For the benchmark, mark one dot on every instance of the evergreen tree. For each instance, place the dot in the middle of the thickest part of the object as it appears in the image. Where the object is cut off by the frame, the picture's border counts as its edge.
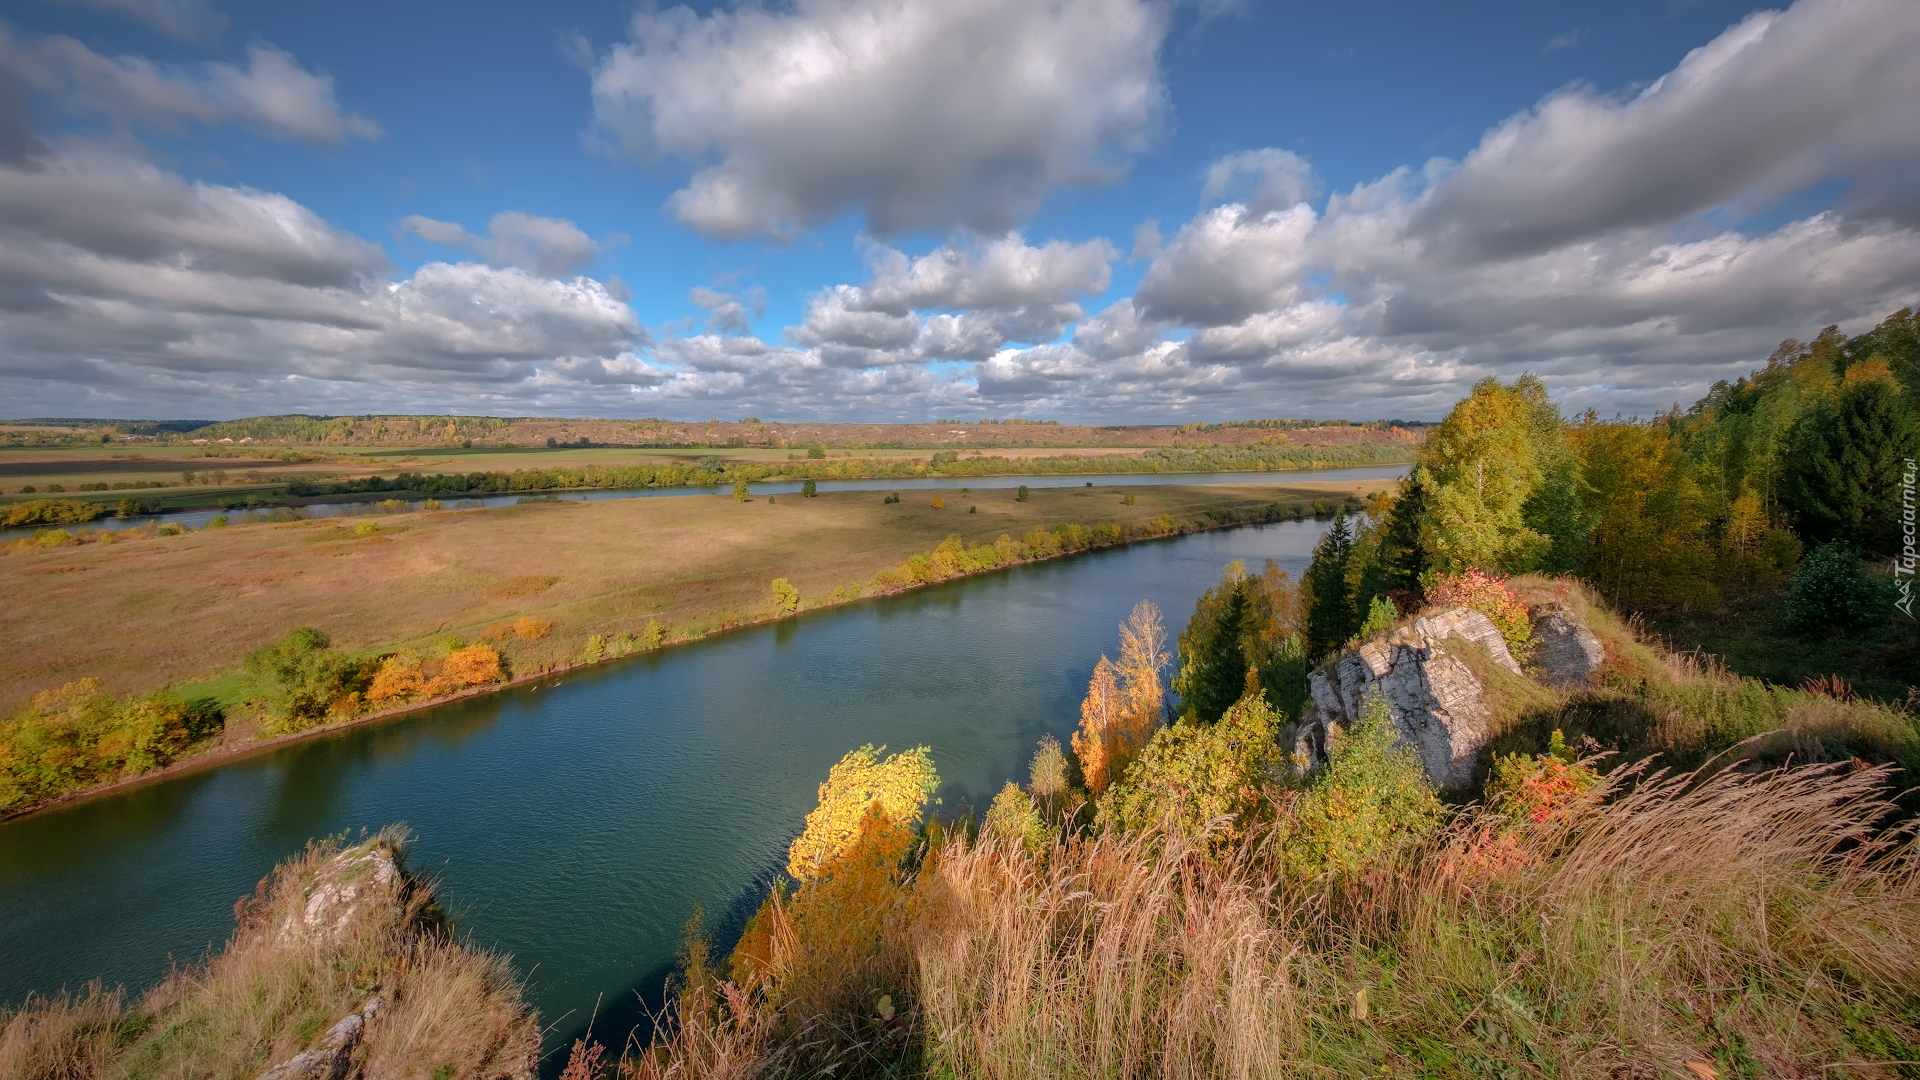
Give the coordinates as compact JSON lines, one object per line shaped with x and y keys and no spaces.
{"x":1332,"y":617}
{"x":1399,"y":561}
{"x":1213,"y":658}
{"x":1843,"y":463}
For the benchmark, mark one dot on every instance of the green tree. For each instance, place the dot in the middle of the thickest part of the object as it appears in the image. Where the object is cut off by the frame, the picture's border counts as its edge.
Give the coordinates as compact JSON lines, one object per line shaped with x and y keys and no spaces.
{"x":1332,"y":615}
{"x":740,"y":491}
{"x":1213,"y":655}
{"x":1478,"y":467}
{"x":1399,"y":562}
{"x":1843,"y":464}
{"x":808,"y":490}
{"x":1022,"y":495}
{"x":1192,"y":775}
{"x":1831,"y":591}
{"x":307,"y":678}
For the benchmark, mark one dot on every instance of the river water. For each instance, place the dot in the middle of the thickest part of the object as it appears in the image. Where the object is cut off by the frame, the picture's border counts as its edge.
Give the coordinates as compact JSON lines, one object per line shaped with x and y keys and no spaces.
{"x":576,"y":823}
{"x":194,"y":519}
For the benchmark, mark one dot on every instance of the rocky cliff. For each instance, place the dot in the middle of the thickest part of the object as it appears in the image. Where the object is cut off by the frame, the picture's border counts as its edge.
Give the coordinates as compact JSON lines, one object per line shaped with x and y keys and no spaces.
{"x":1431,"y":693}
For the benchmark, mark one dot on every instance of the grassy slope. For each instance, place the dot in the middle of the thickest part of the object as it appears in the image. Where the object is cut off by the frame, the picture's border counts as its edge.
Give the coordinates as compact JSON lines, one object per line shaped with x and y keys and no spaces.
{"x":144,"y":614}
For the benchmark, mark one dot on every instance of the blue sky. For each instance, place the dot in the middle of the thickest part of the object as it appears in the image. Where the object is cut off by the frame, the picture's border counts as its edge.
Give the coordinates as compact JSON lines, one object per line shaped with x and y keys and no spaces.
{"x":1111,"y":210}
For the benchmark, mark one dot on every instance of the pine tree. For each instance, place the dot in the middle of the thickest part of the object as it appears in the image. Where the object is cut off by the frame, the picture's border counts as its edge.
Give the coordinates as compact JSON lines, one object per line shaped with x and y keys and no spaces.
{"x":1843,"y":464}
{"x":1332,"y":617}
{"x":1213,"y":658}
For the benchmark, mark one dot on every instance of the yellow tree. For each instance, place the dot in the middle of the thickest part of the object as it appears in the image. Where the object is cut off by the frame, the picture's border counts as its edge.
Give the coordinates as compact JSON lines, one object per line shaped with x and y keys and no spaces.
{"x":1143,"y":657}
{"x":862,"y":783}
{"x":1100,"y":717}
{"x":1477,"y":469}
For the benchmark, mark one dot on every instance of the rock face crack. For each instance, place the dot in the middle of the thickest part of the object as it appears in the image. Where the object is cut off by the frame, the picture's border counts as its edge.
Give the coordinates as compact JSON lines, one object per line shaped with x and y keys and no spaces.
{"x":1432,"y":696}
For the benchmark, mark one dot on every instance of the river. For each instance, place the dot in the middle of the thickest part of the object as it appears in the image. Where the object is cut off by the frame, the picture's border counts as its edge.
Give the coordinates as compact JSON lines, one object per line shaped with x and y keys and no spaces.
{"x":194,"y":519}
{"x":576,"y":823}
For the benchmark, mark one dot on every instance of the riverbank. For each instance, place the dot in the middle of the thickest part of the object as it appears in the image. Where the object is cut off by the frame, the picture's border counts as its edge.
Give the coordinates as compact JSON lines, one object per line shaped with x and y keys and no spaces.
{"x":552,"y":586}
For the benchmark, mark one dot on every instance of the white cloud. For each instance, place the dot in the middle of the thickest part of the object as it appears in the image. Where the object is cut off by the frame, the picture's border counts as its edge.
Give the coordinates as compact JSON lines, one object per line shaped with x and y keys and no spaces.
{"x":127,"y":288}
{"x":986,"y":295}
{"x":919,"y":114}
{"x":1777,"y":102}
{"x":549,"y":246}
{"x":271,"y":92}
{"x":1261,"y":180}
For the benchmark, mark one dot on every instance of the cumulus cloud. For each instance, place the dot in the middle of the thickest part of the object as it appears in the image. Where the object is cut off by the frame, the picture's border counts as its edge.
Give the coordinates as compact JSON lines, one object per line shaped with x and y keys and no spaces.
{"x":188,"y":20}
{"x":122,"y":284}
{"x":549,"y":246}
{"x":918,"y":114}
{"x":985,"y":295}
{"x":1776,"y":103}
{"x":1260,"y":180}
{"x":271,"y":92}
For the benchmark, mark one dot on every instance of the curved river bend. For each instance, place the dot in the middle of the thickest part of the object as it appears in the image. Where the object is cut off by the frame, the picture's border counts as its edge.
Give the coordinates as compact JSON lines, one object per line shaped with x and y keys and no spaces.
{"x":576,"y":824}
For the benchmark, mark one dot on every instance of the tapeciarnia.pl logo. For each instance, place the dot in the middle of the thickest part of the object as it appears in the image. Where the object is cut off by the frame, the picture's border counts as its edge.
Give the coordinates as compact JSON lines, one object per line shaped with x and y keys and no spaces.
{"x":1903,"y":563}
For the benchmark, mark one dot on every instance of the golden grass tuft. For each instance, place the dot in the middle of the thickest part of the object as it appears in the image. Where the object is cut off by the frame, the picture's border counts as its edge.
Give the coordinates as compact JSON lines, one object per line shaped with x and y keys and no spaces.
{"x":449,"y":1010}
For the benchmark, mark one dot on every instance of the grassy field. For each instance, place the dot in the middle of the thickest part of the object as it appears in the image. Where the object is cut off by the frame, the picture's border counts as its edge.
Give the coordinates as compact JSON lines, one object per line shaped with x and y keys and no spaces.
{"x":179,"y":610}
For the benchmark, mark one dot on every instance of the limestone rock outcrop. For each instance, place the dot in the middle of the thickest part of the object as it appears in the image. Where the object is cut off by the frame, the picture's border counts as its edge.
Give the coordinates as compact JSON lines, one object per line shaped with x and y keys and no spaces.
{"x":1565,"y":652}
{"x":1431,"y":694}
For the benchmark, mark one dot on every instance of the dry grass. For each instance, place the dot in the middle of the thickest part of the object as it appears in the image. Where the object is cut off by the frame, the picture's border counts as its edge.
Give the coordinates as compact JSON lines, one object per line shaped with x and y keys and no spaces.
{"x":140,"y":615}
{"x":1760,"y":925}
{"x":449,"y":1010}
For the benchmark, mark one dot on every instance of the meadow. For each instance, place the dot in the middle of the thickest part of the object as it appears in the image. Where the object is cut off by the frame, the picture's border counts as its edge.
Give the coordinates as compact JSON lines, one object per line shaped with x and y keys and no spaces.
{"x":144,"y":612}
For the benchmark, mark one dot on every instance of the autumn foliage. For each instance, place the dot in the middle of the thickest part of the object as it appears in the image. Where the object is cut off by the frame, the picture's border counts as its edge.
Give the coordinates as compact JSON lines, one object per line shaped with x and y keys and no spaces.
{"x":1124,"y":701}
{"x":1489,"y":595}
{"x":404,"y":676}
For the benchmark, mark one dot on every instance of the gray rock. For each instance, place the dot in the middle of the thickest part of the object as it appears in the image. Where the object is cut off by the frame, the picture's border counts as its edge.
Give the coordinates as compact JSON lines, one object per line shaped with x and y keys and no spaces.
{"x":1565,"y":653}
{"x":1434,"y":699}
{"x":332,"y":1058}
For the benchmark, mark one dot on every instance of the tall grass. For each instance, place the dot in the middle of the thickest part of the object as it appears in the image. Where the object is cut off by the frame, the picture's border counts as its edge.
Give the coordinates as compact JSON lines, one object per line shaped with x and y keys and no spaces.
{"x":1764,"y":925}
{"x":449,"y":1010}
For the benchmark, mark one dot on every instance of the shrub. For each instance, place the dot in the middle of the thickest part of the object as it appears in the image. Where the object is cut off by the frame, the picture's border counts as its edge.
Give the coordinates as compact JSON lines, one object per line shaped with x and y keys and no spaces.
{"x":1381,"y":615}
{"x":653,"y":637}
{"x":1127,"y":499}
{"x":897,"y":787}
{"x":1542,"y":788}
{"x":1489,"y":595}
{"x":892,"y":498}
{"x":78,"y":736}
{"x":309,"y":681}
{"x":1831,"y":590}
{"x":740,"y":491}
{"x":530,"y":628}
{"x":1022,"y":495}
{"x":48,"y":512}
{"x":1191,"y":774}
{"x":472,"y":665}
{"x":809,"y":489}
{"x":1371,"y":798}
{"x":1012,"y":819}
{"x":366,"y":528}
{"x":939,"y":502}
{"x":786,"y":597}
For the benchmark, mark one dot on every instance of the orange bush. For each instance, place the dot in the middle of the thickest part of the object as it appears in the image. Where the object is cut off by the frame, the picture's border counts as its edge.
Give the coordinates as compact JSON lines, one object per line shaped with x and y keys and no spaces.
{"x":399,"y":677}
{"x":475,"y":665}
{"x":531,"y":628}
